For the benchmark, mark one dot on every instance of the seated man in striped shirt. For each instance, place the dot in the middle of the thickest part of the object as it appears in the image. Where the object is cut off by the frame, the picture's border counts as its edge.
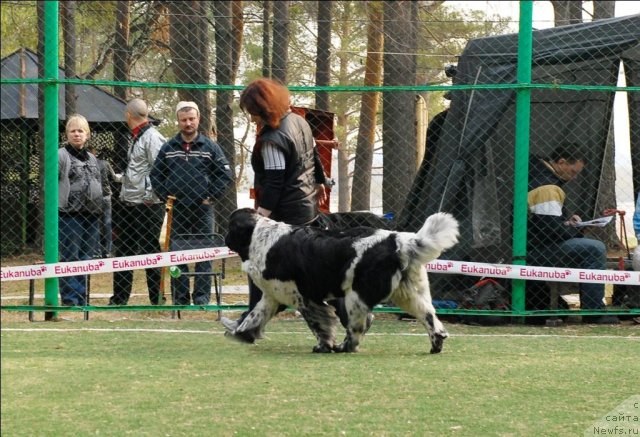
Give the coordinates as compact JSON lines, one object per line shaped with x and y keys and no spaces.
{"x":552,"y":237}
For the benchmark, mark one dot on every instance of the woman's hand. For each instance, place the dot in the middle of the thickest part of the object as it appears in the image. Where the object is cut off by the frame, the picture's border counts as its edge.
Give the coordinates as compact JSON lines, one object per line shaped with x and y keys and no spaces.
{"x":264,"y":212}
{"x":321,"y":193}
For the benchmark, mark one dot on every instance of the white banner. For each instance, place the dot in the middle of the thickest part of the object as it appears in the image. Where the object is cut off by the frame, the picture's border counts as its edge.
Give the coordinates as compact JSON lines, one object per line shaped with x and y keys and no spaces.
{"x":106,"y":265}
{"x":163,"y":259}
{"x":534,"y":273}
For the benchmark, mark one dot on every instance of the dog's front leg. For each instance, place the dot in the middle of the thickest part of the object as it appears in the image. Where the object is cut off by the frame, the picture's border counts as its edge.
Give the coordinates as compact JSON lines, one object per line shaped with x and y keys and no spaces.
{"x":254,"y":323}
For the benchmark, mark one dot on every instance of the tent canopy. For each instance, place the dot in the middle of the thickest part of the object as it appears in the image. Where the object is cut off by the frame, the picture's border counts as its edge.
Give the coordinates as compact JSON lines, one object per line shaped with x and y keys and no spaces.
{"x":20,"y":102}
{"x":470,"y":170}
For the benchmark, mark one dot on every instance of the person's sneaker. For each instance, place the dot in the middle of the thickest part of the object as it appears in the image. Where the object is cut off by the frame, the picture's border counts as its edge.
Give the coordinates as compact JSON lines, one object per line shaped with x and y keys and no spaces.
{"x":229,"y":325}
{"x":601,"y":320}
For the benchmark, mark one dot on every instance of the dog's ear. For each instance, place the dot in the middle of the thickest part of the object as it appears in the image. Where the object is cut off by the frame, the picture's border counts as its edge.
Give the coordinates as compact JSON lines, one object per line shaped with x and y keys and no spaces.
{"x":241,"y":225}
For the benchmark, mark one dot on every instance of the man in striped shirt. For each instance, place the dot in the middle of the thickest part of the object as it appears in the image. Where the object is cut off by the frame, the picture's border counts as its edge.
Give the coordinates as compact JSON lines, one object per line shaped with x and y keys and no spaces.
{"x":552,"y":236}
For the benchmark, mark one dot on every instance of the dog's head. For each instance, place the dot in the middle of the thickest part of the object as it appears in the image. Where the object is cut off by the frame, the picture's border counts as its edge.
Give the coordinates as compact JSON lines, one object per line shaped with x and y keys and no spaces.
{"x":241,"y":225}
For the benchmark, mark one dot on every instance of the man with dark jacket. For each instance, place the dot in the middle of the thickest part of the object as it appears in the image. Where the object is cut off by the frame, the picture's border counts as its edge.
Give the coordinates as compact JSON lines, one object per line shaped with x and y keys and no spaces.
{"x":138,"y":214}
{"x":194,"y":169}
{"x":553,"y":238}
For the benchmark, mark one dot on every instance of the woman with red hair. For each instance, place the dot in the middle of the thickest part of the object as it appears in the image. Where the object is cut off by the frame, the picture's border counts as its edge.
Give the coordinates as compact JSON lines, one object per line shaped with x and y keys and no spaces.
{"x":289,"y":177}
{"x":288,"y":173}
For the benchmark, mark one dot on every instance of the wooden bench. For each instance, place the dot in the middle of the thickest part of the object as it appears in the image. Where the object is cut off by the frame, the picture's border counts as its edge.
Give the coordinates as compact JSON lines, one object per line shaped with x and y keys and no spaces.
{"x":557,"y":289}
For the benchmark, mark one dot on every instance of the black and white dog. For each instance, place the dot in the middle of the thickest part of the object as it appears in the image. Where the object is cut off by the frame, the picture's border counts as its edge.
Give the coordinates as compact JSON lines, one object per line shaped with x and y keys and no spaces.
{"x":303,"y":267}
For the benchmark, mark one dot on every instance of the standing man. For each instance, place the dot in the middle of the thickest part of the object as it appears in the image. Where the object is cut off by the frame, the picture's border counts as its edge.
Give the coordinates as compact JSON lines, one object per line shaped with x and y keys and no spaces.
{"x":139,"y":212}
{"x":194,"y":169}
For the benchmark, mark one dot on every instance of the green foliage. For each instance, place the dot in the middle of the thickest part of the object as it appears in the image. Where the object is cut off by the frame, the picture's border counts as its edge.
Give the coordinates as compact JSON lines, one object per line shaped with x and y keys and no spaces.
{"x":19,"y":27}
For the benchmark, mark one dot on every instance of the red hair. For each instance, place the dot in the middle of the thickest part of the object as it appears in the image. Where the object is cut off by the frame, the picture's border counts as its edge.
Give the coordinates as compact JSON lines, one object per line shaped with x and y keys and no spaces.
{"x":267,"y":99}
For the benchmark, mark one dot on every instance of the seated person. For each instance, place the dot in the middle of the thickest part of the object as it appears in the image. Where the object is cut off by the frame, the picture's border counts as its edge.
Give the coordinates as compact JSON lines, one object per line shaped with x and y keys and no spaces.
{"x":553,"y":239}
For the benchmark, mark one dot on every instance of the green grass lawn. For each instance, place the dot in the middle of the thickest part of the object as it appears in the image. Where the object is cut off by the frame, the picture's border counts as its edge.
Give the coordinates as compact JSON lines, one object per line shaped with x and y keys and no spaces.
{"x":183,"y":378}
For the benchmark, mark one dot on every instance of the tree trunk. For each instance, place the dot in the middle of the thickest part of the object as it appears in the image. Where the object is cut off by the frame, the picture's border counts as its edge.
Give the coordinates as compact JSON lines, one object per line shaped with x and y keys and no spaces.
{"x":266,"y":38}
{"x":566,"y":12}
{"x":121,"y":73}
{"x":398,"y":127}
{"x":122,"y":51}
{"x":67,"y":12}
{"x":603,"y":9}
{"x":361,"y":186}
{"x":341,"y":107}
{"x":189,"y":45}
{"x":323,"y":58}
{"x":280,"y":57}
{"x":224,"y":37}
{"x":237,"y":27}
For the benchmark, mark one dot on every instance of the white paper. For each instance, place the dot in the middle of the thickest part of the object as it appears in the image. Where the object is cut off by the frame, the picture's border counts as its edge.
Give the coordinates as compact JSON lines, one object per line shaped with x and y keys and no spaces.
{"x":599,"y":222}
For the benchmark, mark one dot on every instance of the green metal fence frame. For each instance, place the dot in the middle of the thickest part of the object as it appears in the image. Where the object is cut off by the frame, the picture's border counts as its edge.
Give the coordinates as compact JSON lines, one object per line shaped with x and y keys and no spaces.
{"x":523,"y":88}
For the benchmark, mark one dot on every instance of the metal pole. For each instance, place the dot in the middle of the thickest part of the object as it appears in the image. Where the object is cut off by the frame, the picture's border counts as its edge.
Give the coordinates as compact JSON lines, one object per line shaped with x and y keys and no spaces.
{"x":50,"y":150}
{"x":521,"y":165}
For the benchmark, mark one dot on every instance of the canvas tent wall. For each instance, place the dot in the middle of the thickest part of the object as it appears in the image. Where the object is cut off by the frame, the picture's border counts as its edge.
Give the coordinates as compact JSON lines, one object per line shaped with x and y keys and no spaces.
{"x":471,"y":171}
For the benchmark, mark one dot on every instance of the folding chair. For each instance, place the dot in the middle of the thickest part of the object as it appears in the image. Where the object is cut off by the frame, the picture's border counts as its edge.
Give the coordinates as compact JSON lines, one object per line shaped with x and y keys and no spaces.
{"x":200,"y":241}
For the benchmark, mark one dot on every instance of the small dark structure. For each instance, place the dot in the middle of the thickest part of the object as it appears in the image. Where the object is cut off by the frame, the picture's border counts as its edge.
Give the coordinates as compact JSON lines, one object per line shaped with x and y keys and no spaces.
{"x":471,"y":171}
{"x":20,"y":163}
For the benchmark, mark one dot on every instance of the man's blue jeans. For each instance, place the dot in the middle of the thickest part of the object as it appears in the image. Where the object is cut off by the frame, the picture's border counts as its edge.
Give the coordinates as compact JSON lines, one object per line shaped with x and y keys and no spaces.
{"x":79,"y":240}
{"x":581,"y":253}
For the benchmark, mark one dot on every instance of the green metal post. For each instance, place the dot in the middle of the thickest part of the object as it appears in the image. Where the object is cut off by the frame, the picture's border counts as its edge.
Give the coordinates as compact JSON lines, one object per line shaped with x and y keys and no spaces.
{"x":521,"y":165}
{"x":51,"y":150}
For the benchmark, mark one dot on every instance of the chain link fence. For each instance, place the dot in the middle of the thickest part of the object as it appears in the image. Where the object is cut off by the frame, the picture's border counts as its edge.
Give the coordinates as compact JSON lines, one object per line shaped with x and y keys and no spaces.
{"x":414,"y":106}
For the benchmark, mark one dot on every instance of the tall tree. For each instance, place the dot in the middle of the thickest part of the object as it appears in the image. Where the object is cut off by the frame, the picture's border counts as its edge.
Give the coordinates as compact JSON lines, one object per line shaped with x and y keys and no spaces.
{"x":224,"y":37}
{"x":189,"y":45}
{"x":323,"y":58}
{"x":398,"y":127}
{"x":237,"y":27}
{"x":68,"y":15}
{"x":345,"y":28}
{"x":121,"y":48}
{"x":603,"y":9}
{"x":567,"y":12}
{"x":361,"y":188}
{"x":266,"y":38}
{"x":281,"y":32}
{"x":121,"y":73}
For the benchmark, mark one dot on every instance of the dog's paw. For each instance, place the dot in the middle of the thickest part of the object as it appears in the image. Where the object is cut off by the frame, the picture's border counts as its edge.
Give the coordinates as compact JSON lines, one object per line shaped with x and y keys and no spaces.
{"x":241,"y":337}
{"x":345,"y":346}
{"x":437,"y":340}
{"x":322,"y":349}
{"x":229,"y":325}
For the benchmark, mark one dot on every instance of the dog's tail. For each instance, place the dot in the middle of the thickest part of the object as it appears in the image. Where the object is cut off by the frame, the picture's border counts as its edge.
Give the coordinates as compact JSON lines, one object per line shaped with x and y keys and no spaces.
{"x":439,"y":232}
